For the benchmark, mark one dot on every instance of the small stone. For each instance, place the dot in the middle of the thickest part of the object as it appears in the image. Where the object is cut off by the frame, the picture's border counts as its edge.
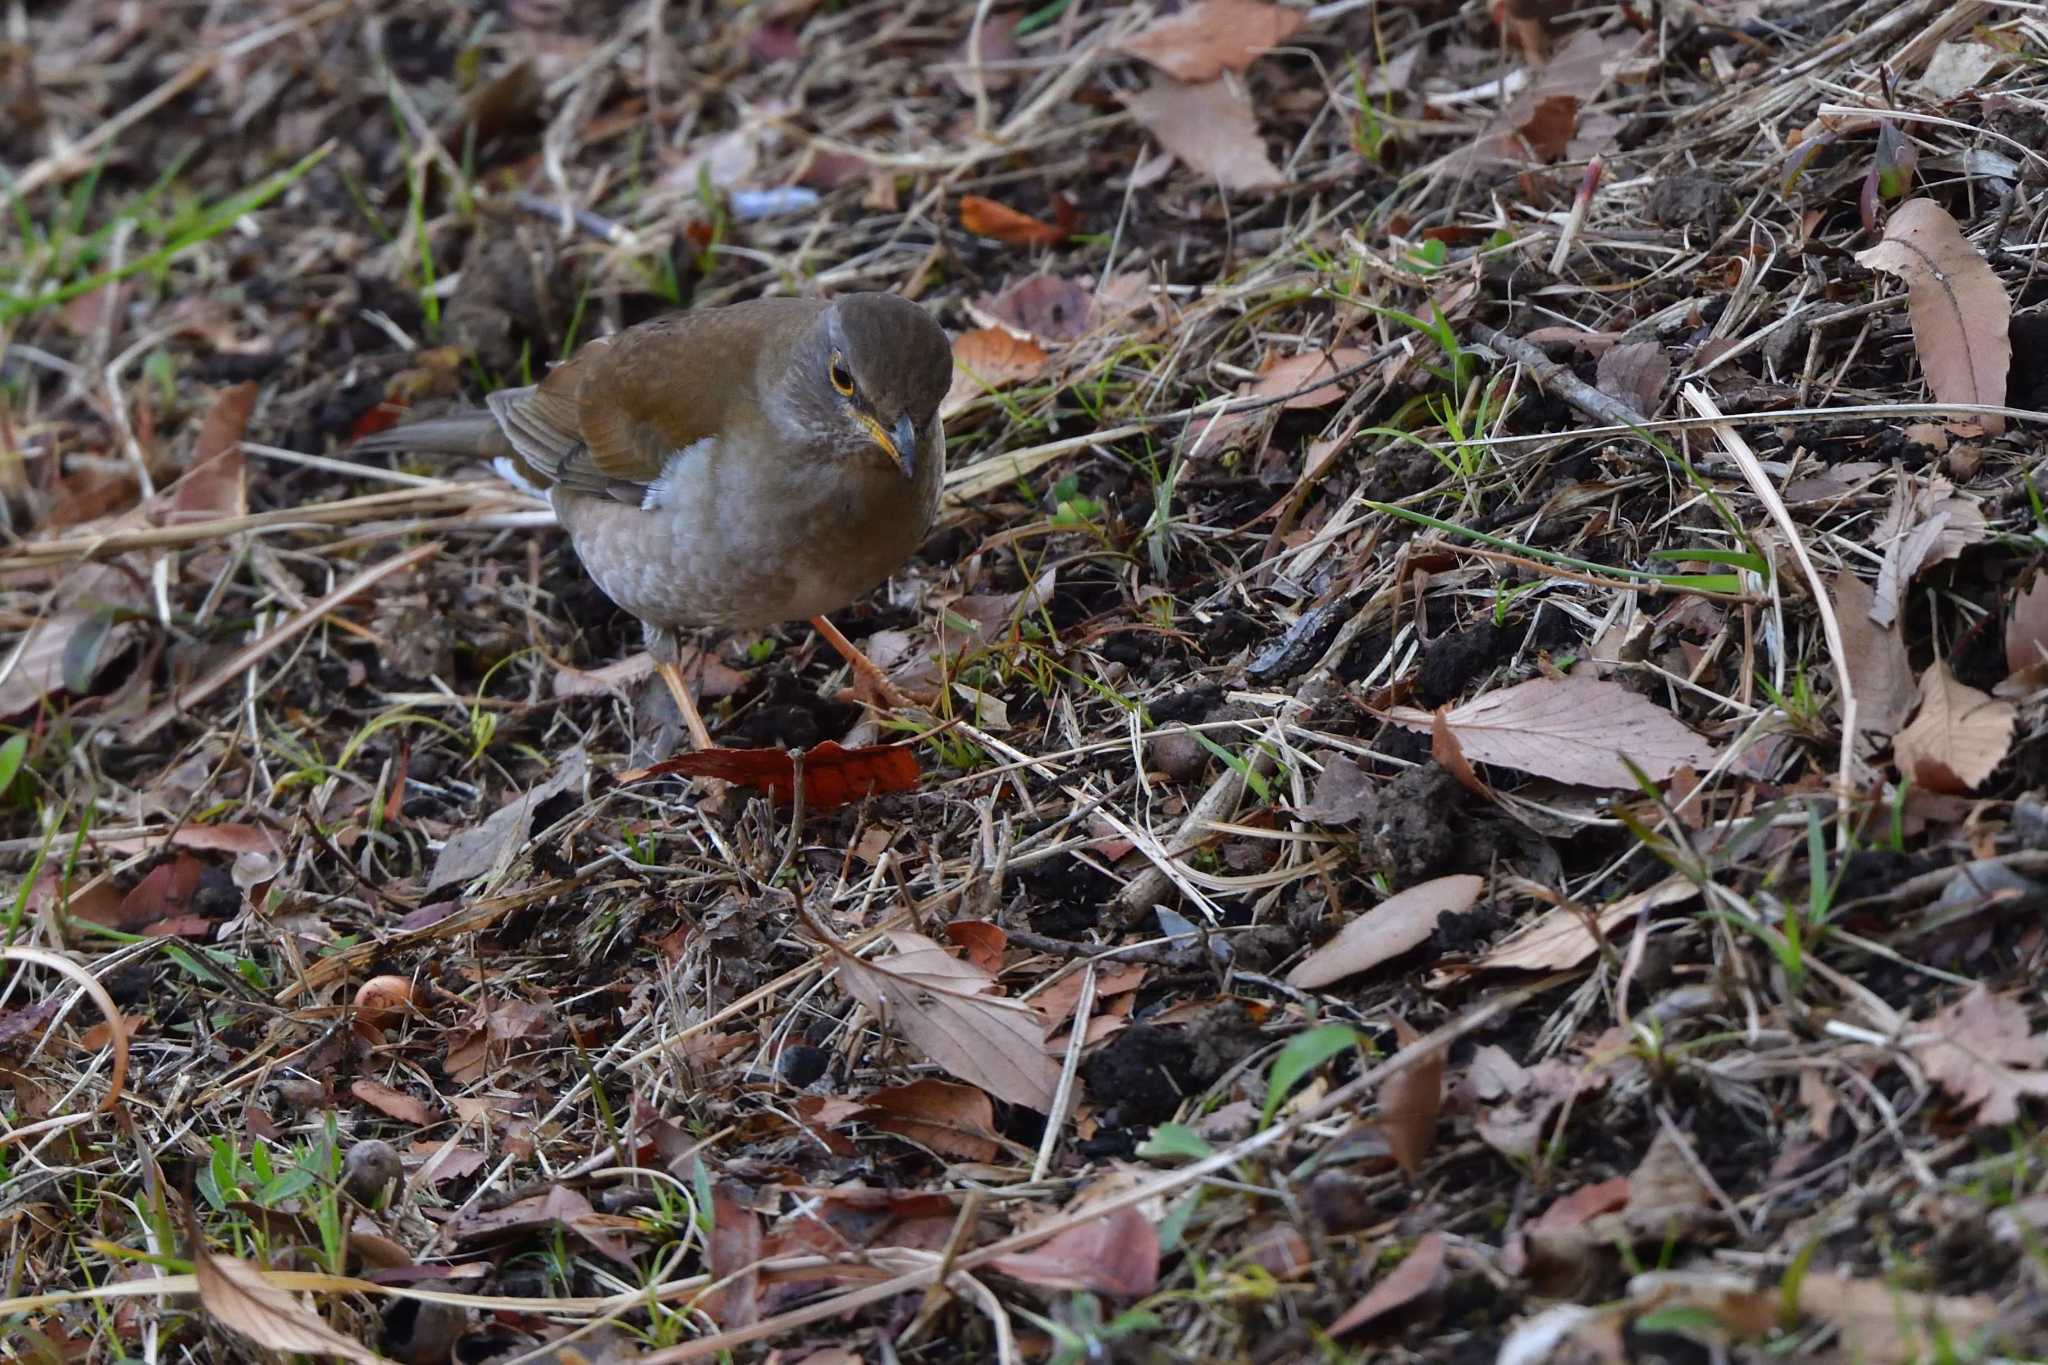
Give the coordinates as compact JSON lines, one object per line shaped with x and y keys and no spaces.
{"x":369,"y":1169}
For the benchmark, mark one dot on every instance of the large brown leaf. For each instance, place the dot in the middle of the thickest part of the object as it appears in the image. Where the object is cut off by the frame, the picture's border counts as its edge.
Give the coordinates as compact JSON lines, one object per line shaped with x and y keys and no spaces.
{"x":1574,"y":729}
{"x":1959,"y":309}
{"x":1210,"y":128}
{"x":932,"y":998}
{"x":1958,"y":736}
{"x":1400,"y":922}
{"x":1212,"y":36}
{"x":241,"y":1298}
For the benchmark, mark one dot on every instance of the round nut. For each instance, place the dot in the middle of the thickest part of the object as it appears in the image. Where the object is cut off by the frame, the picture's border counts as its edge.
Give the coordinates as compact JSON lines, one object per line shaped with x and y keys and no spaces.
{"x":368,"y":1170}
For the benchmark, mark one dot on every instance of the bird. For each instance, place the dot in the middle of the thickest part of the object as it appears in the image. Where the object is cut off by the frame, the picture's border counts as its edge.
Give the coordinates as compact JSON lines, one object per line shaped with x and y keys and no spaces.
{"x":733,"y":467}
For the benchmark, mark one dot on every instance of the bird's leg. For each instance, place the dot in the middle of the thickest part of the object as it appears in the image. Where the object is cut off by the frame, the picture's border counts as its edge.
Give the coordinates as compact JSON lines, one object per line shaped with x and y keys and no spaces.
{"x":868,"y":683}
{"x":667,"y":649}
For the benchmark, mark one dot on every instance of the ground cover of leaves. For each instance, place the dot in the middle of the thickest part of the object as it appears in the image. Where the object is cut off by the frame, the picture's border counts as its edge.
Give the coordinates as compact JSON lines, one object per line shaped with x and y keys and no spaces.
{"x":1479,"y":728}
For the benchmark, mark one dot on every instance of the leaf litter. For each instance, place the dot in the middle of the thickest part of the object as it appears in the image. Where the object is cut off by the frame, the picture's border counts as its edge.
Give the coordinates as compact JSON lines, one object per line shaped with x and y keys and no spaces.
{"x":1293,"y":573}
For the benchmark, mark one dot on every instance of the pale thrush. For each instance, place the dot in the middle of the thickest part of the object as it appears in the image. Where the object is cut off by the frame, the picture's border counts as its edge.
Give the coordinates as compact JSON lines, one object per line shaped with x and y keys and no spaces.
{"x":732,"y":467}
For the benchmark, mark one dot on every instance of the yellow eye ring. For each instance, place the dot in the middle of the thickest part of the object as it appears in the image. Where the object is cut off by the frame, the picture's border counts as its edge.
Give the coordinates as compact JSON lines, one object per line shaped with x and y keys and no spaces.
{"x":842,"y":378}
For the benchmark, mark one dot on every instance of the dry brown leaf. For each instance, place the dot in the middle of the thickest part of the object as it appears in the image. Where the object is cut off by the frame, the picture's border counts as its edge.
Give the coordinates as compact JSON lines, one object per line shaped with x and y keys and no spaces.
{"x":1876,"y":660}
{"x":1044,"y":308}
{"x":1212,"y":36}
{"x":1924,"y":526}
{"x":1410,"y":1101}
{"x":2026,"y":634}
{"x":1881,"y":1325}
{"x":1001,"y":223}
{"x":1401,"y":922}
{"x":489,"y":848}
{"x":1957,"y":737}
{"x":1421,"y":1272}
{"x":989,"y":358}
{"x":1959,"y":309}
{"x":998,"y":1045}
{"x":734,"y":1247}
{"x":1296,"y":371}
{"x":1559,"y":938}
{"x":1983,"y":1051}
{"x":1519,"y":1101}
{"x":1634,"y":373}
{"x":952,"y":1120}
{"x":1115,"y":1254}
{"x":241,"y":1298}
{"x":1210,"y":128}
{"x":1573,"y":729}
{"x":391,"y":1102}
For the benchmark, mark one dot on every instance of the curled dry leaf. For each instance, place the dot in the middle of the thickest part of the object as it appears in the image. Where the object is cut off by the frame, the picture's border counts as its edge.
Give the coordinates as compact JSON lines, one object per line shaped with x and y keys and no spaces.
{"x":1925,"y":525}
{"x":1210,"y":129}
{"x":1213,"y":36}
{"x":1635,"y":373}
{"x":1420,"y":1273}
{"x":1561,"y":938}
{"x":1983,"y":1051}
{"x":1114,"y":1254}
{"x":1573,"y":729}
{"x":241,"y":1297}
{"x":1959,"y":309}
{"x":1045,"y":308}
{"x":1410,"y":1101}
{"x":986,"y":359}
{"x":1518,"y":1102}
{"x":1403,"y":921}
{"x":1001,"y":223}
{"x":1957,"y":737}
{"x":1876,"y":659}
{"x":2026,"y":634}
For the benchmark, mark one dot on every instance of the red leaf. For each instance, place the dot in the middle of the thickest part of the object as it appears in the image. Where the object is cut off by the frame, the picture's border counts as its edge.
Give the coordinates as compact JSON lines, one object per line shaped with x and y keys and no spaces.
{"x":1116,"y":1254}
{"x":1000,"y":222}
{"x":833,"y":775}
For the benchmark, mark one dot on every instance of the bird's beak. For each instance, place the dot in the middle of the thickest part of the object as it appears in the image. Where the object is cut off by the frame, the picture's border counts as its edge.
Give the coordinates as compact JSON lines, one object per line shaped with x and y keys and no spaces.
{"x":906,"y":445}
{"x":899,"y":445}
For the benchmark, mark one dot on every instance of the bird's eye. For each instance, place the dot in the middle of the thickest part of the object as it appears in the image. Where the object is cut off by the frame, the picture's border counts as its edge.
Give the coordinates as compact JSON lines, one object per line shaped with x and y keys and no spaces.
{"x":842,"y":378}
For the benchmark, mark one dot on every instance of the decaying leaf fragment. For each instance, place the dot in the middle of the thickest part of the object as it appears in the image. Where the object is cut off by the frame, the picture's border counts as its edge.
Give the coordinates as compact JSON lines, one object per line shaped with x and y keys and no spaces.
{"x":1983,"y":1051}
{"x":1883,"y":1325}
{"x":1213,"y":36}
{"x":241,"y":1298}
{"x":1958,"y":306}
{"x":1210,"y":128}
{"x":1573,"y":729}
{"x":933,"y":998}
{"x":990,"y":358}
{"x":1876,"y":659}
{"x":1403,"y":921}
{"x":1957,"y":737}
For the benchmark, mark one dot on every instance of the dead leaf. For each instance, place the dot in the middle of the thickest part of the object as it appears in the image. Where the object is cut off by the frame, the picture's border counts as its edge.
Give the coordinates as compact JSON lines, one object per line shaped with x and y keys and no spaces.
{"x":712,"y":676}
{"x":833,"y":776}
{"x":2026,"y":634}
{"x":1044,"y":308}
{"x":1001,"y":223}
{"x":490,"y":847}
{"x":1634,"y":373}
{"x":1117,"y":1254}
{"x":1983,"y":1051}
{"x":982,"y":940}
{"x":1924,"y":526}
{"x":1664,"y":1180}
{"x":1957,"y":737}
{"x":1210,"y":129}
{"x":952,"y":1120}
{"x":1421,"y":1272}
{"x":1876,"y":659}
{"x":1519,"y":1101}
{"x":65,"y":653}
{"x":1213,"y":36}
{"x":998,"y":1045}
{"x":1403,"y":921}
{"x":1343,"y":794}
{"x":1297,"y":371}
{"x":241,"y":1297}
{"x":1954,"y":68}
{"x":1959,"y":308}
{"x":734,"y":1246}
{"x":391,"y":1102}
{"x":559,"y":1207}
{"x":1572,"y":729}
{"x":986,"y":359}
{"x":1410,"y":1101}
{"x":1881,"y":1325}
{"x":1560,"y":938}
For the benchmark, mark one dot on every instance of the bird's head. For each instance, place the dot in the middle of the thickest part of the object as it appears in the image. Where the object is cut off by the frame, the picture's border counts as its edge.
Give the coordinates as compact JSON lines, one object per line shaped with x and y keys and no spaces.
{"x":869,"y":376}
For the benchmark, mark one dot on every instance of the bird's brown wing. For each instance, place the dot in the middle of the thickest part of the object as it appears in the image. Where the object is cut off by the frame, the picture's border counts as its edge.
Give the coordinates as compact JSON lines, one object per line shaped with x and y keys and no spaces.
{"x":605,"y":422}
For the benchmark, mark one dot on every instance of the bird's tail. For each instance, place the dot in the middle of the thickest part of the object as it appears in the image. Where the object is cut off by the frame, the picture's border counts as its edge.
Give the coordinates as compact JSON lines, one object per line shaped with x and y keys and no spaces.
{"x":467,"y":434}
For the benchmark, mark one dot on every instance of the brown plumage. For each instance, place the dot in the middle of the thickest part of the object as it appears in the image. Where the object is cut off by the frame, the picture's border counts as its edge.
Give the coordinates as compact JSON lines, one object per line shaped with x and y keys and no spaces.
{"x":739,"y":466}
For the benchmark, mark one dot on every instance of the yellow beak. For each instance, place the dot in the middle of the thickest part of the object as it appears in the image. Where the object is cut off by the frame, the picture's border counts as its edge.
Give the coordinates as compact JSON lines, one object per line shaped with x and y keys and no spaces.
{"x":901,"y":447}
